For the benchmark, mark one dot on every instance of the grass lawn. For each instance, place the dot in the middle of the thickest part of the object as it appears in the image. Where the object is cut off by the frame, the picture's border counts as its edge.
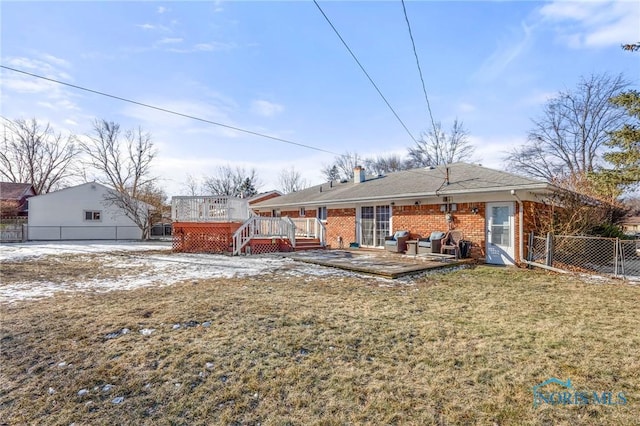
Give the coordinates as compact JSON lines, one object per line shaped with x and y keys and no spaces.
{"x":466,"y":347}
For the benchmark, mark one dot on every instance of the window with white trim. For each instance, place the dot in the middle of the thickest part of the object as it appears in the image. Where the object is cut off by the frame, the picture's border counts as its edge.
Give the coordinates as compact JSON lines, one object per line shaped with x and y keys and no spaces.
{"x":302,"y":212}
{"x":322,"y":213}
{"x":92,"y":215}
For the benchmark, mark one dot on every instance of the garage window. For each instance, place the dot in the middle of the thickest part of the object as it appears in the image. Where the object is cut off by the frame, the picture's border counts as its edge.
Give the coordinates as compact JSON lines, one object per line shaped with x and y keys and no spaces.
{"x":92,"y":215}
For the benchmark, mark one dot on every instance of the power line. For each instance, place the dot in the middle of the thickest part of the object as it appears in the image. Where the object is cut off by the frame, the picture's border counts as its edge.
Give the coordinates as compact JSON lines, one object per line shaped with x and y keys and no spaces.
{"x":262,"y":135}
{"x":363,"y":70}
{"x":173,"y":112}
{"x":424,"y":87}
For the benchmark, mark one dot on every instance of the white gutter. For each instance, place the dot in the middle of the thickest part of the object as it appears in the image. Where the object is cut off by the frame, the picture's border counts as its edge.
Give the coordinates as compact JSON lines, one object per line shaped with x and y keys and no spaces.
{"x":521,"y":245}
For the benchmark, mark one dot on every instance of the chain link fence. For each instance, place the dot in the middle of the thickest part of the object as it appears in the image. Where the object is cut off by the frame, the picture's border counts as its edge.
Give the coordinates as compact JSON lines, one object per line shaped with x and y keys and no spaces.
{"x":61,"y":233}
{"x":600,"y":255}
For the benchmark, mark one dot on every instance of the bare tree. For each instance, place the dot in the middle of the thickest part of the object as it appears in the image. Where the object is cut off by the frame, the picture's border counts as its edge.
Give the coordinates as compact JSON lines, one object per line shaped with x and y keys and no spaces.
{"x":157,"y":198}
{"x":9,"y":208}
{"x":33,"y":153}
{"x":122,"y":159}
{"x":437,"y":147}
{"x":232,"y":182}
{"x":343,"y":165}
{"x":387,"y":164}
{"x":331,"y":172}
{"x":567,"y":140}
{"x":291,"y":180}
{"x":577,"y":209}
{"x":191,"y":185}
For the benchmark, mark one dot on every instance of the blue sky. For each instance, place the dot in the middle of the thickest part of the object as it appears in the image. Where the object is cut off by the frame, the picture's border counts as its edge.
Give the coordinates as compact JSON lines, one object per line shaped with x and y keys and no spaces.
{"x":278,"y":68}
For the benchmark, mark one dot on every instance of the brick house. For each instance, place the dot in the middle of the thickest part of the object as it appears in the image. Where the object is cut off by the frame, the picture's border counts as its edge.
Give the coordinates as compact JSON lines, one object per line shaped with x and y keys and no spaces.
{"x":494,"y":209}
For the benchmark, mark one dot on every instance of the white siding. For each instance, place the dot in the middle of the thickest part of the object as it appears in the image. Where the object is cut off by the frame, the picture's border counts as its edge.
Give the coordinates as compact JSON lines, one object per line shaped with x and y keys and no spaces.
{"x":60,"y":215}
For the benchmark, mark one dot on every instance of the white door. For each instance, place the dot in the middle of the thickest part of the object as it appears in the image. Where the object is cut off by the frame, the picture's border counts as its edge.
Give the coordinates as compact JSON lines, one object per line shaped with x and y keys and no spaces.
{"x":500,"y":234}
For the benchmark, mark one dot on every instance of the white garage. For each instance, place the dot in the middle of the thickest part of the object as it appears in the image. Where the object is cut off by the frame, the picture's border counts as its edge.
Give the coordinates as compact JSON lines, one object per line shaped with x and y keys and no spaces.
{"x":79,"y":213}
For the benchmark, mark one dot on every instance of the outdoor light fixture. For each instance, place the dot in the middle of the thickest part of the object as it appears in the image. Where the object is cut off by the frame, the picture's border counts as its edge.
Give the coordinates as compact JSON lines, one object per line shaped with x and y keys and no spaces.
{"x":474,"y":210}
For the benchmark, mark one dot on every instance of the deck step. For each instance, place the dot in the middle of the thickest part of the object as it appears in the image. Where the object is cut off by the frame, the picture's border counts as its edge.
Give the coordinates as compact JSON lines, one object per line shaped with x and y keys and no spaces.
{"x":308,"y":244}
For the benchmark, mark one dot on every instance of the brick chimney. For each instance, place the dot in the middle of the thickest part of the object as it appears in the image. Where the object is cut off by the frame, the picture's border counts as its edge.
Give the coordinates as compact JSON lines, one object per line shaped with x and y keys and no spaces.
{"x":358,"y":174}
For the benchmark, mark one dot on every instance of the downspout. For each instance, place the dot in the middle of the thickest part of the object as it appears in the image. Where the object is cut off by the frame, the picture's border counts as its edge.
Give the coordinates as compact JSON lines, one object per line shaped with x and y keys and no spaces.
{"x":521,"y":238}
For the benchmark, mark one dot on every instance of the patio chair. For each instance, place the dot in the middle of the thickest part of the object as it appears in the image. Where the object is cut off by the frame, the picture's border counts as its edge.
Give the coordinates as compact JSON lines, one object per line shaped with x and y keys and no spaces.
{"x":397,"y":243}
{"x":451,"y":241}
{"x":431,"y":244}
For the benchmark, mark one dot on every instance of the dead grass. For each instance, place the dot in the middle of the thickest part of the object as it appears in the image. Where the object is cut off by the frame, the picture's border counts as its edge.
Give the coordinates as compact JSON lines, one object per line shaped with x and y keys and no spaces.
{"x":461,"y":348}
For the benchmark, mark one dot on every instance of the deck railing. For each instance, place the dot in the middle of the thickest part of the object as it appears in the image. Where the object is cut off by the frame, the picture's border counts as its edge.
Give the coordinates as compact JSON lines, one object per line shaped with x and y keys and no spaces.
{"x":209,"y":209}
{"x":310,"y":228}
{"x":263,"y":227}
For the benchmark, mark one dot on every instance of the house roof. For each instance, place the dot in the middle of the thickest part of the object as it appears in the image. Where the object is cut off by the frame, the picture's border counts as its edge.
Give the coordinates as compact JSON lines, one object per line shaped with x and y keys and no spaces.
{"x":93,"y":184}
{"x":456,"y":178}
{"x":631,"y":220}
{"x":263,"y":195}
{"x":15,"y":191}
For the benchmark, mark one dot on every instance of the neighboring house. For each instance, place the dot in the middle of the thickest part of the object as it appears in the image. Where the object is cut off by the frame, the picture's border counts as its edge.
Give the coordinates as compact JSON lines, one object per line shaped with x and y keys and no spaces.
{"x":493,"y":209}
{"x":14,"y":198}
{"x":79,"y":213}
{"x":631,"y":225}
{"x":263,"y":196}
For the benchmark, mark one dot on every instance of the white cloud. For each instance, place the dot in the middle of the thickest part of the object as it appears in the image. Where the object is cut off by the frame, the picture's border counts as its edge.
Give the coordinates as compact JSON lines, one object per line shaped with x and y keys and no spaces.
{"x":23,"y":85}
{"x":593,"y":24}
{"x":55,"y":60}
{"x":170,"y":40}
{"x":465,"y":107}
{"x":491,"y":151}
{"x":204,"y":47}
{"x":161,"y":9}
{"x":266,"y":108}
{"x":506,"y":53}
{"x":538,"y":97}
{"x":62,"y":104}
{"x":20,"y":83}
{"x":146,"y":26}
{"x":214,"y":45}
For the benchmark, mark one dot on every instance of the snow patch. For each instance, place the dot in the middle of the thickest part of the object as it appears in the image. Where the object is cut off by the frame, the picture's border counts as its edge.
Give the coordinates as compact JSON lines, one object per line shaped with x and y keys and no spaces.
{"x":137,"y":269}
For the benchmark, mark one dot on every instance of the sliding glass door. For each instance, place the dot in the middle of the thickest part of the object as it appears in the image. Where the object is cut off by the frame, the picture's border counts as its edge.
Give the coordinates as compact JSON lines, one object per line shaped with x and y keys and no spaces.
{"x":374,"y":225}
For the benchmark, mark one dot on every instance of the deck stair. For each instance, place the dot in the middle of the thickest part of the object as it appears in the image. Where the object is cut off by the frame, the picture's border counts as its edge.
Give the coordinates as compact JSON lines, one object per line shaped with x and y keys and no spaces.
{"x":308,"y":244}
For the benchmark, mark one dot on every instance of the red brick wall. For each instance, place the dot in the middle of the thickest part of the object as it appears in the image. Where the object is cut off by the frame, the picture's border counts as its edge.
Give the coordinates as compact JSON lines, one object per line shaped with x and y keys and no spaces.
{"x":309,"y":213}
{"x":341,"y":223}
{"x":423,"y":219}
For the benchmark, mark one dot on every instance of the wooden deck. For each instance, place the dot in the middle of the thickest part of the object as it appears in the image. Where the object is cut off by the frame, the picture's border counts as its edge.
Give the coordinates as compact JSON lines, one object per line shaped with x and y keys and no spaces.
{"x":378,"y":262}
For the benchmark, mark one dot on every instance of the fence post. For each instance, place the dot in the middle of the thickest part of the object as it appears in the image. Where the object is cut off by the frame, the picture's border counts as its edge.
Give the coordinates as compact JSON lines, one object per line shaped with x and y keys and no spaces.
{"x":615,"y":257}
{"x":530,"y":247}
{"x":549,"y":250}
